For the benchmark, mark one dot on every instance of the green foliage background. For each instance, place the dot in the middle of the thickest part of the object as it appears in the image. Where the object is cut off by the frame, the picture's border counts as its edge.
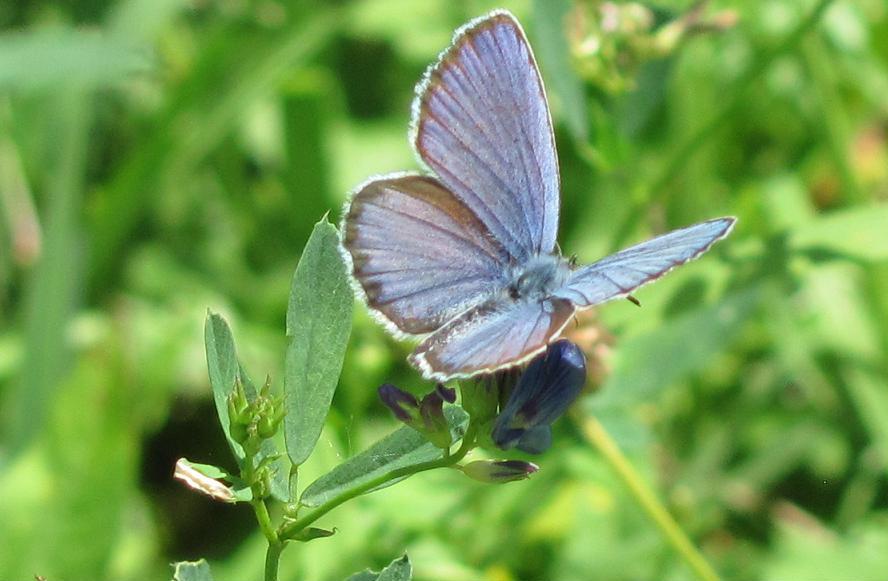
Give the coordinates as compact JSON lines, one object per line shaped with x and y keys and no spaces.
{"x":161,"y":156}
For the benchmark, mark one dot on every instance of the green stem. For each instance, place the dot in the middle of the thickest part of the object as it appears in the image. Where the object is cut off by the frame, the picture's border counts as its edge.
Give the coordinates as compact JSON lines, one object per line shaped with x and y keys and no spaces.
{"x":658,"y":190}
{"x":260,"y":509}
{"x":287,"y":530}
{"x":264,"y":520}
{"x":647,"y":501}
{"x":272,"y":559}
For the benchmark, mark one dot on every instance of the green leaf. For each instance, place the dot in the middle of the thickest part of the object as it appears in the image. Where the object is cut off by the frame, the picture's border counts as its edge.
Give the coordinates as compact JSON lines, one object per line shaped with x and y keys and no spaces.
{"x":554,"y":53}
{"x":319,"y":318}
{"x":405,"y":447}
{"x":397,"y":570}
{"x":223,"y":369}
{"x":312,"y":533}
{"x":192,"y":571}
{"x":858,"y":232}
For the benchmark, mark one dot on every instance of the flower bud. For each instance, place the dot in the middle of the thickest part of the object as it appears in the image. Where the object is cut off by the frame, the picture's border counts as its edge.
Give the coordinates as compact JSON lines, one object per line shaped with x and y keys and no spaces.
{"x":499,"y":471}
{"x":404,"y":405}
{"x":448,"y":394}
{"x":240,"y":416}
{"x":480,"y":398}
{"x":434,"y":424}
{"x":426,"y":416}
{"x":266,"y":427}
{"x":543,"y":393}
{"x":271,"y":413}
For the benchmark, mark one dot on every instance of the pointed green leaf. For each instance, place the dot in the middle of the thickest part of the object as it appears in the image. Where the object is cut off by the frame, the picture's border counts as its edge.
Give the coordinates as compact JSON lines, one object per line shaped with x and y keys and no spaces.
{"x":223,"y":369}
{"x":319,"y":318}
{"x":405,"y":447}
{"x":312,"y":533}
{"x":398,"y":570}
{"x":192,"y":571}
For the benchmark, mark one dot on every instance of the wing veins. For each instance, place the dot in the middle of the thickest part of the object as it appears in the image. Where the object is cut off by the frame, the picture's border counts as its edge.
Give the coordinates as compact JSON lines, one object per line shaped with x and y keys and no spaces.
{"x":438,"y":228}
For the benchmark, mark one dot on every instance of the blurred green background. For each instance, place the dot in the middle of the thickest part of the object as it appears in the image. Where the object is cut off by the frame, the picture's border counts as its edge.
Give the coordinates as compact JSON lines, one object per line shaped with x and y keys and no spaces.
{"x":158,"y":157}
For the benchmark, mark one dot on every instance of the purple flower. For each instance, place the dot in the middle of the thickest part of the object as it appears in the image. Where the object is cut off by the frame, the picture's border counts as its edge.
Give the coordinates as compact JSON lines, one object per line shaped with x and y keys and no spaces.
{"x":404,"y":405}
{"x":425,"y":416}
{"x":542,"y":394}
{"x":499,"y":471}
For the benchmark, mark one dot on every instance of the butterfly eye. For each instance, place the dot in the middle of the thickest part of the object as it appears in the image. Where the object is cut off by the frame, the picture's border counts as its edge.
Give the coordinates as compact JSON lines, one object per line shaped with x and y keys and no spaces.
{"x":521,"y":285}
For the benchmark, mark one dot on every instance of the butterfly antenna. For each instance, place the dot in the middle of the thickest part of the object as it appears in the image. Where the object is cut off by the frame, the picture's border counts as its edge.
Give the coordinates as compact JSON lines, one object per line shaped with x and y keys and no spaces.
{"x":633,"y":300}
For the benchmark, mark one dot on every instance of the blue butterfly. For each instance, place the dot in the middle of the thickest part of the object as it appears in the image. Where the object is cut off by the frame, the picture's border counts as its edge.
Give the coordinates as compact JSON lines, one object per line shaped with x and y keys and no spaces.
{"x":467,"y":257}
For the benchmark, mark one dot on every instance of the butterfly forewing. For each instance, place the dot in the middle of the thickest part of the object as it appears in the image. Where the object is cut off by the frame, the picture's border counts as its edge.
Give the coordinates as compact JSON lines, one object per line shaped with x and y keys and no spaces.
{"x":482,"y":125}
{"x":619,"y":274}
{"x":420,"y":256}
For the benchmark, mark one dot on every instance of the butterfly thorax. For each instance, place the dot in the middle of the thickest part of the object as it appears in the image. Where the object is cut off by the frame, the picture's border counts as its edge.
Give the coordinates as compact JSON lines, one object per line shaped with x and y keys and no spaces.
{"x":538,"y":278}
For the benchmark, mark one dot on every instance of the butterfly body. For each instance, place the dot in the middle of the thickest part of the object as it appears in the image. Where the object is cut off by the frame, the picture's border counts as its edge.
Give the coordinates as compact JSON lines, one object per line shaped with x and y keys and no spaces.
{"x":466,"y":258}
{"x":538,"y":278}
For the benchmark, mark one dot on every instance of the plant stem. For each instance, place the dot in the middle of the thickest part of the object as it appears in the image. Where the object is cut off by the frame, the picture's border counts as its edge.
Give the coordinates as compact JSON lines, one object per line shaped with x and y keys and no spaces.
{"x":287,"y":530}
{"x":260,"y":509}
{"x":647,"y":501}
{"x":272,"y":558}
{"x":264,"y":520}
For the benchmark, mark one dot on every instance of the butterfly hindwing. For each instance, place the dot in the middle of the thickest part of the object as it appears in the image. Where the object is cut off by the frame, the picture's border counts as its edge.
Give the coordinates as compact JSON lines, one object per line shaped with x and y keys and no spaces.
{"x":493,"y":335}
